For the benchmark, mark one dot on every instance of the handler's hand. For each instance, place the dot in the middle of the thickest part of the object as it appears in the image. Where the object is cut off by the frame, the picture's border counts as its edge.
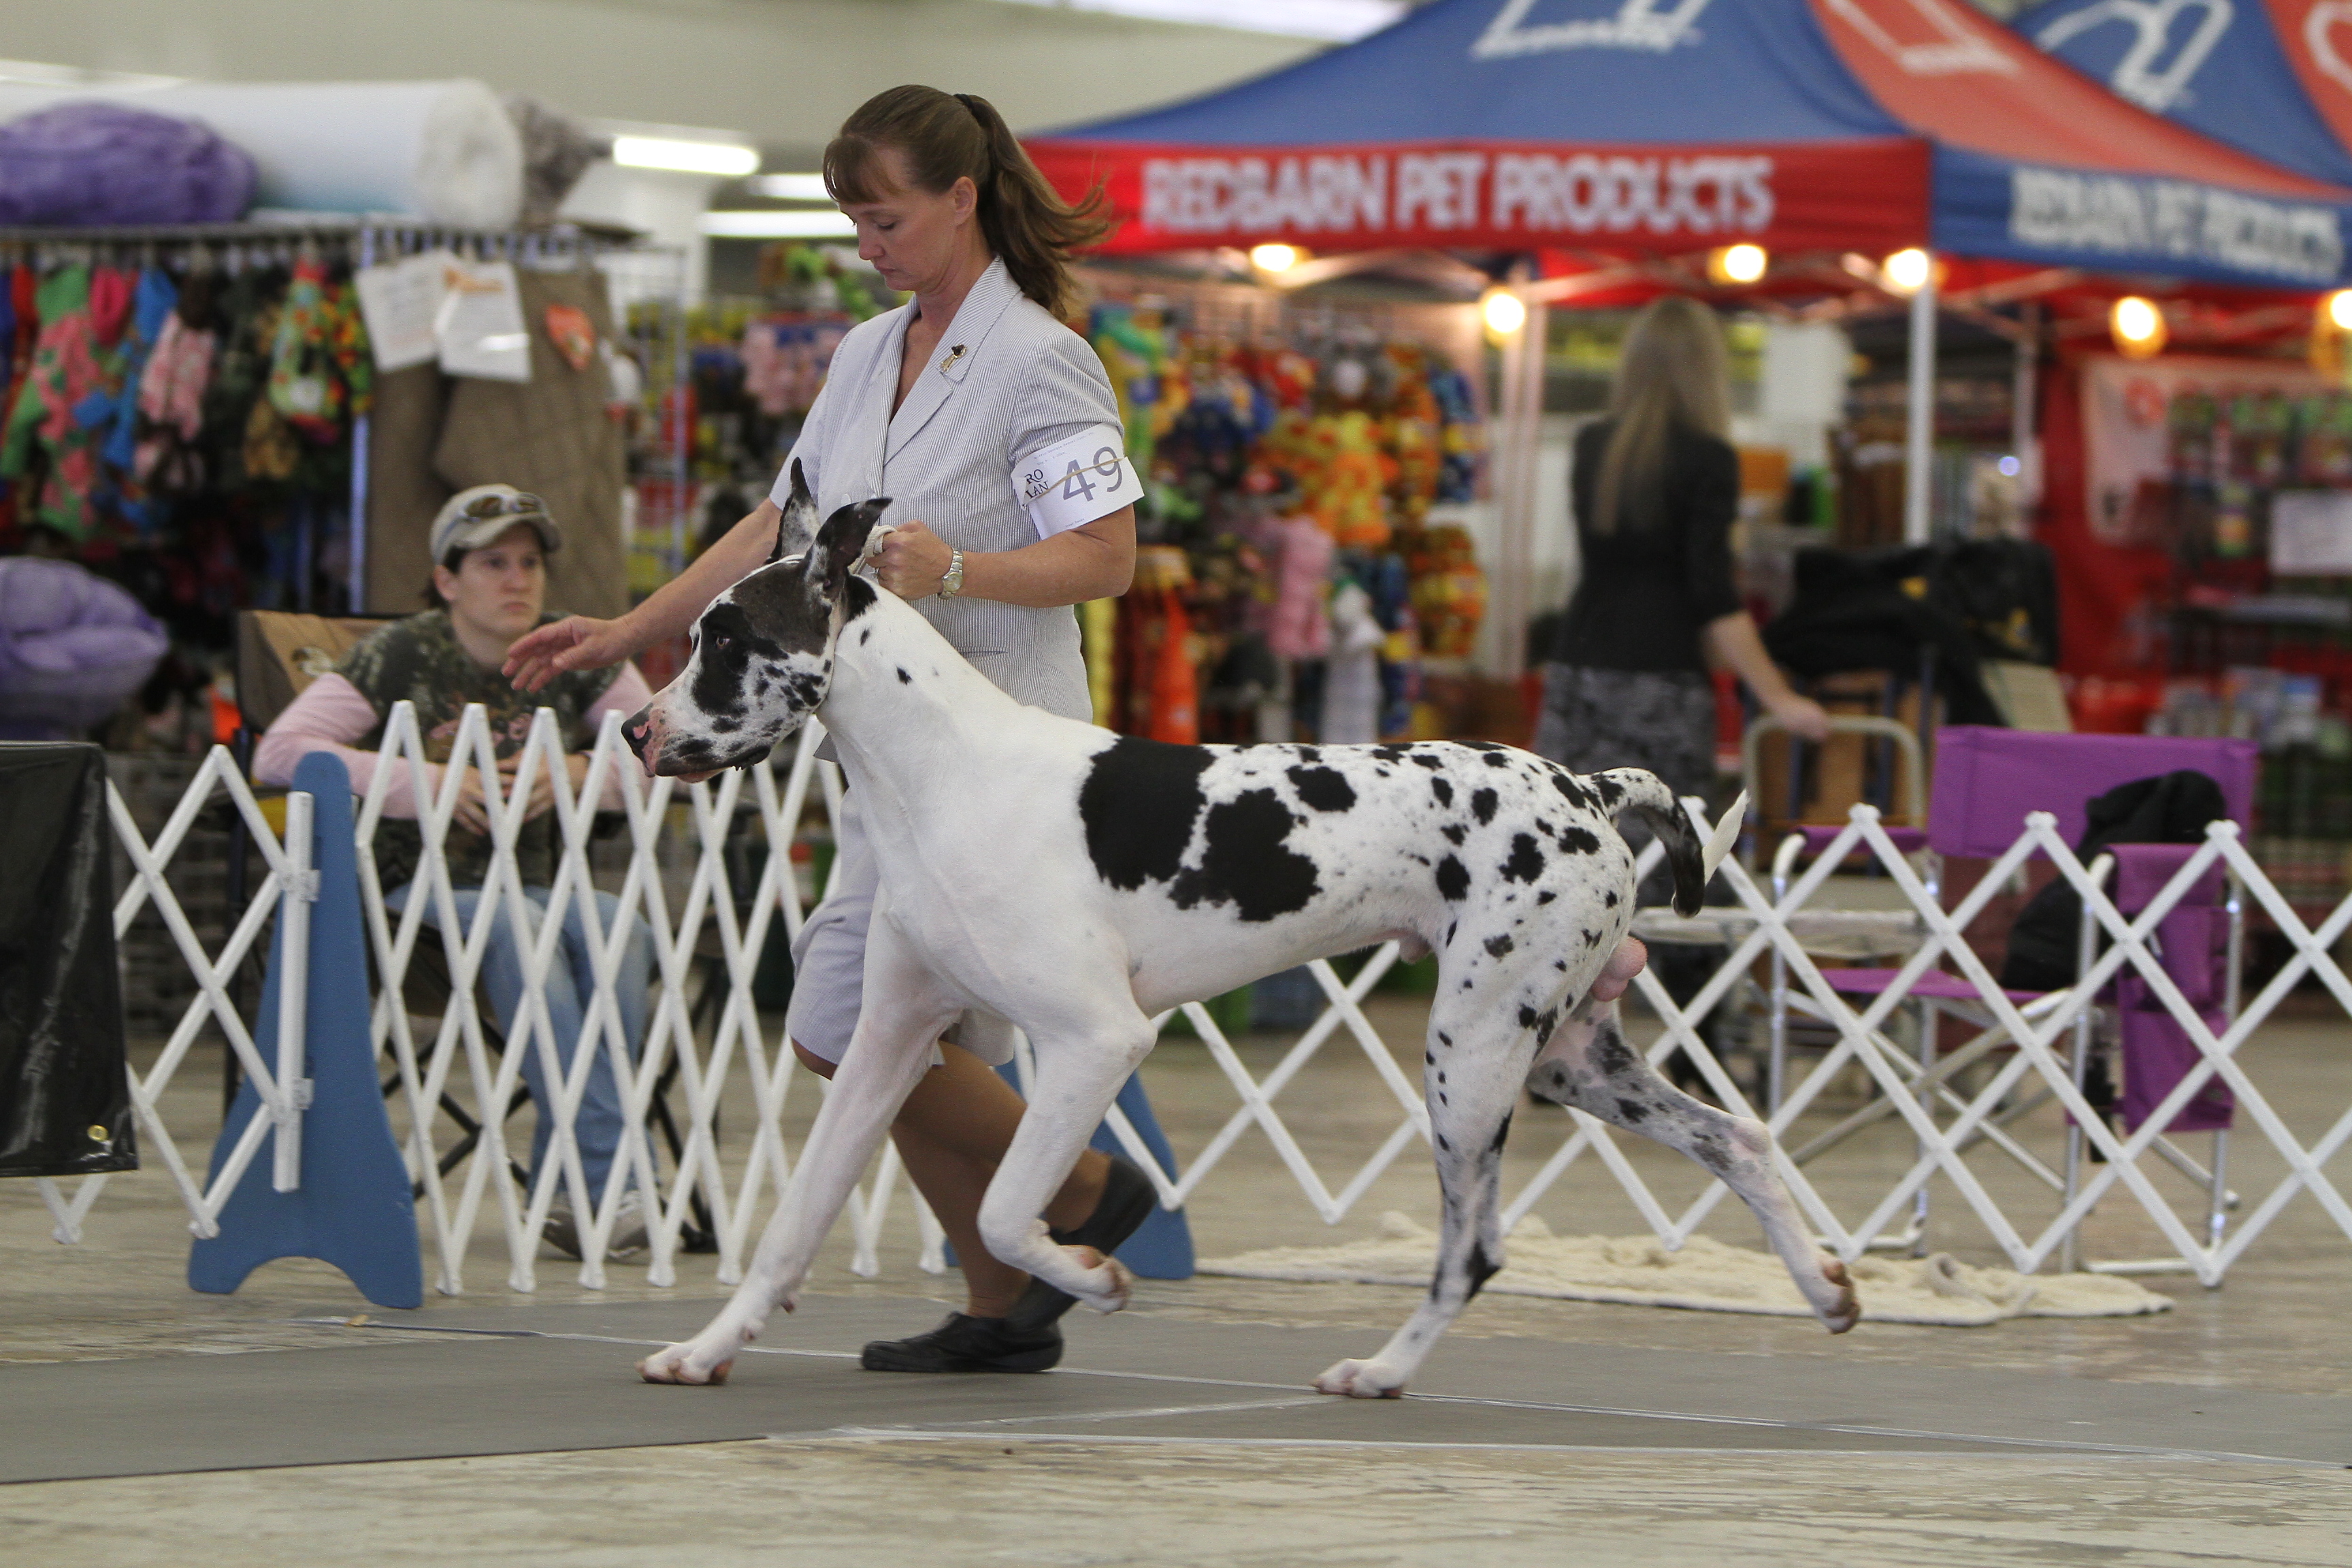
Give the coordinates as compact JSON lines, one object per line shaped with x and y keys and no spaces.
{"x":576,"y":642}
{"x":1804,"y":718}
{"x":1618,"y":973}
{"x":912,"y":561}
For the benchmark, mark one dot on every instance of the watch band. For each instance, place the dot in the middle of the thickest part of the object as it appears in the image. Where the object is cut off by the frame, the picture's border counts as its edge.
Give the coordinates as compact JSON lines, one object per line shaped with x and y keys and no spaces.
{"x":952,"y":583}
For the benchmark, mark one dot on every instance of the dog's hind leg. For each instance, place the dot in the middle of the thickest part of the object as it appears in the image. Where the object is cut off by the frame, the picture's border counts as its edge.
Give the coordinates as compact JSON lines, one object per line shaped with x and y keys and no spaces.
{"x":891,"y":1050}
{"x":1471,"y":1075}
{"x":1588,"y":1064}
{"x":1081,"y":1063}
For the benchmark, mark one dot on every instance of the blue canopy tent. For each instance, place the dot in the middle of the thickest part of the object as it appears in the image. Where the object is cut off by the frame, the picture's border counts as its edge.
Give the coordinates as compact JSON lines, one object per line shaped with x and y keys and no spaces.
{"x":2269,"y":78}
{"x":1662,"y":127}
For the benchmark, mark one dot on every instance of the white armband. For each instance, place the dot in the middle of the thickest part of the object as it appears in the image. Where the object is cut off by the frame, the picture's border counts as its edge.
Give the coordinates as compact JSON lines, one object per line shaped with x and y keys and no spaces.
{"x":1076,"y":480}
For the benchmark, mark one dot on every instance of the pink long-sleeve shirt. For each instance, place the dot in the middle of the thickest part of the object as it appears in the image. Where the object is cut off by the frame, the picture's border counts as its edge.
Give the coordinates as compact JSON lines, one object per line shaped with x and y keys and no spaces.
{"x":331,"y":713}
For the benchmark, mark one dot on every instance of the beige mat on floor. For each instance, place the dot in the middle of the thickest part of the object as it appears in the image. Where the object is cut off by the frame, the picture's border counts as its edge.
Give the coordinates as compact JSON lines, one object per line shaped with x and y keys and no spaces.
{"x":1709,"y":1276}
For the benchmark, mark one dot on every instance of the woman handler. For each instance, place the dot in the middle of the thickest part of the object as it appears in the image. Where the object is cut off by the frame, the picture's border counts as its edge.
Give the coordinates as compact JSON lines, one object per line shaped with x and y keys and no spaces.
{"x":938,"y":404}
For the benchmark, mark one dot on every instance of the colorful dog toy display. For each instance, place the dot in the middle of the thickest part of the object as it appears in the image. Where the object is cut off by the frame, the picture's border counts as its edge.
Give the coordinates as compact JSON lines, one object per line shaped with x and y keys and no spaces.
{"x":1289,"y":478}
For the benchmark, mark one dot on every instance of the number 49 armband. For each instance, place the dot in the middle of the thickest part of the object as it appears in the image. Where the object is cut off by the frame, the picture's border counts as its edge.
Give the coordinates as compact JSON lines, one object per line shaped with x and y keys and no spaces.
{"x":1076,"y":480}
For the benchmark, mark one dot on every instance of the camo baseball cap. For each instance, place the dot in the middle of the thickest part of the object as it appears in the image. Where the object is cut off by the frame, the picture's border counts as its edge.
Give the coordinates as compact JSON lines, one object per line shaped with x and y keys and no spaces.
{"x":472,"y":519}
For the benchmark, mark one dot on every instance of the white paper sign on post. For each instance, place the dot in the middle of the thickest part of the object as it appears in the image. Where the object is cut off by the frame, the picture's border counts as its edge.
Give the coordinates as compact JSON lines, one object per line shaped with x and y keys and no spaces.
{"x":399,"y":301}
{"x":480,"y":325}
{"x":2311,"y":533}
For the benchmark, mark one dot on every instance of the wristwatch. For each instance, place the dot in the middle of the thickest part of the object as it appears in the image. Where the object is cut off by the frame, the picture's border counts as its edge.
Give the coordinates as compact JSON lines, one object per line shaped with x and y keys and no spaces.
{"x":952,"y":584}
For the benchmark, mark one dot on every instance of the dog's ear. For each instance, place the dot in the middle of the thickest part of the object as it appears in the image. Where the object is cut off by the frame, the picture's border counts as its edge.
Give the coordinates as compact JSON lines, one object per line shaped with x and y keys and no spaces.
{"x":796,"y":525}
{"x":838,"y":546}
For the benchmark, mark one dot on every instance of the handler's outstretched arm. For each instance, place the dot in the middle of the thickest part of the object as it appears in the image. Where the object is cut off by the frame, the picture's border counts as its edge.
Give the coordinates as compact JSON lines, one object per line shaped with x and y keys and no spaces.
{"x":582,"y":642}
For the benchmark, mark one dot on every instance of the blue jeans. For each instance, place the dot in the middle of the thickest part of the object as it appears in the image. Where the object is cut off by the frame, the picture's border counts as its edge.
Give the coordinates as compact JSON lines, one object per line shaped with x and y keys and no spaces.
{"x":570,"y":980}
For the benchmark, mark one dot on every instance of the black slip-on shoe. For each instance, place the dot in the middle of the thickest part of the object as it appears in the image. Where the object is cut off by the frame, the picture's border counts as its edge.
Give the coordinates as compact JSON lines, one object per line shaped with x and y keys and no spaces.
{"x":965,"y":1343}
{"x":1126,"y":1202}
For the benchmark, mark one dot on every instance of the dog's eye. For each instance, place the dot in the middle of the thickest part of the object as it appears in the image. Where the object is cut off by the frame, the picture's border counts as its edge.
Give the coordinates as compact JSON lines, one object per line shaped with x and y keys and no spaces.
{"x":720,"y":642}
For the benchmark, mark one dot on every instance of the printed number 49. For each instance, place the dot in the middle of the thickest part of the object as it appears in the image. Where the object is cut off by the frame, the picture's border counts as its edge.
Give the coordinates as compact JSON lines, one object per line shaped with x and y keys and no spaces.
{"x":1076,"y":484}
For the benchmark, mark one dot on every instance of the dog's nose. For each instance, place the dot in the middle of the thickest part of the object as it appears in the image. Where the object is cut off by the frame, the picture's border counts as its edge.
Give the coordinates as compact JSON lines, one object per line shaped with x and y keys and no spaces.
{"x":640,"y":732}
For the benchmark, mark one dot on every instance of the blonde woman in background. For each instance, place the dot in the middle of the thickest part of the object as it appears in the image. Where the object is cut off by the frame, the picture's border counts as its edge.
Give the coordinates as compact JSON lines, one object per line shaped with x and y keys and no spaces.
{"x":1654,"y":492}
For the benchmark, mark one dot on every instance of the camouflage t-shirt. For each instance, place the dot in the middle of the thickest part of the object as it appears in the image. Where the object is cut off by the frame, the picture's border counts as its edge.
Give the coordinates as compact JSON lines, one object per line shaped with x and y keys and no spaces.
{"x":420,"y":660}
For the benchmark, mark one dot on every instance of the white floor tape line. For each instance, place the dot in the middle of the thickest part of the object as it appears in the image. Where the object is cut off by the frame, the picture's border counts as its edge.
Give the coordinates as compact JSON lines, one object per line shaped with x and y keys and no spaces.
{"x":1706,"y":1275}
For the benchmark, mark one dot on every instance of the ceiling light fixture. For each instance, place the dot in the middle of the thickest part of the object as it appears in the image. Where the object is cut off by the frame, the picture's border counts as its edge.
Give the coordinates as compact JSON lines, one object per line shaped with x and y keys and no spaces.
{"x":677,"y":155}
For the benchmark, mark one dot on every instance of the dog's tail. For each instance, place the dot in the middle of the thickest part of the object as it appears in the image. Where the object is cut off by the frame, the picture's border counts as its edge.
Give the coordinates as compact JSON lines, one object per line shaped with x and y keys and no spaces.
{"x":1637,"y":789}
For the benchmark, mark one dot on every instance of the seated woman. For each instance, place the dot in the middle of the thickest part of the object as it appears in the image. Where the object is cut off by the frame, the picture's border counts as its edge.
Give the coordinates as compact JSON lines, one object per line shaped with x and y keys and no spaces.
{"x":490,"y":546}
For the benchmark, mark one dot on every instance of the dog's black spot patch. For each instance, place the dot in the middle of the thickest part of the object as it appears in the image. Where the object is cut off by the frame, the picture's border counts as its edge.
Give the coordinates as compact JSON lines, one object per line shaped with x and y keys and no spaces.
{"x":725,"y":726}
{"x":1527,"y":861}
{"x":1443,"y":790}
{"x":1453,"y":879}
{"x":1444,"y":1038}
{"x":865,"y":637}
{"x":1482,"y":805}
{"x":1610,"y":790}
{"x":1545,"y":897}
{"x":1614,"y":1057}
{"x":1560,"y":964}
{"x":1325,"y":789}
{"x":1710,"y":1151}
{"x":1497,"y":947}
{"x":1245,"y":862}
{"x":1497,"y":760}
{"x":1443,"y":1145}
{"x":1545,"y":1025}
{"x":1455,"y":832}
{"x":1577,"y":841}
{"x":1391,"y":753}
{"x":1482,"y":745}
{"x":1138,"y":804}
{"x":1592,"y":939}
{"x":1527,"y":1017}
{"x":905,"y":680}
{"x":1481,"y":1268}
{"x":1309,"y":753}
{"x":1632,"y":1112}
{"x":1423,"y":759}
{"x":1502,"y":1135}
{"x":1609,"y":899}
{"x":1575,"y":793}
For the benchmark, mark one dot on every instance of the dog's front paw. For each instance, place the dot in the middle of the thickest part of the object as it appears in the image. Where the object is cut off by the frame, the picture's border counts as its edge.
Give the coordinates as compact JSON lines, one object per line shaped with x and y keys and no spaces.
{"x":1120,"y":1289}
{"x":1361,"y":1380}
{"x":693,"y":1362}
{"x":1833,"y":1297}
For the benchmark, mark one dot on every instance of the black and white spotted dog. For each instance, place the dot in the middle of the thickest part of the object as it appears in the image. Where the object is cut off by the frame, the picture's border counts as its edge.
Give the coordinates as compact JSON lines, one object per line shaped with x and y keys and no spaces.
{"x":1077,"y":883}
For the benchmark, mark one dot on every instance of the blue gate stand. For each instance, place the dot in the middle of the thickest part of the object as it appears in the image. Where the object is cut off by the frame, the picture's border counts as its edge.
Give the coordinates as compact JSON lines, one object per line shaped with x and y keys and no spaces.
{"x":353,"y":1207}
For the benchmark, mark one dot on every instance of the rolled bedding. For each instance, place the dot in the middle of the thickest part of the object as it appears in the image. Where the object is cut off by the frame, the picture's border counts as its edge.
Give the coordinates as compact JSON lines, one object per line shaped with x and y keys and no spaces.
{"x":444,"y":151}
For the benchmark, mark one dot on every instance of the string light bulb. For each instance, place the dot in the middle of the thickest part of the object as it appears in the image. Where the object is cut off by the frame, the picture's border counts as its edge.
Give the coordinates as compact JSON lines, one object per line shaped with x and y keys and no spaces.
{"x":1908,"y":271}
{"x":1275,"y":257}
{"x":1738,"y":264}
{"x":2138,"y":327}
{"x":1503,"y":312}
{"x":2339,"y":309}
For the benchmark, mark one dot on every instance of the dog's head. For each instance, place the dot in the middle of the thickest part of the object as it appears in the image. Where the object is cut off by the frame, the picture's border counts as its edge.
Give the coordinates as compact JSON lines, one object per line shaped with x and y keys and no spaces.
{"x":763,"y":651}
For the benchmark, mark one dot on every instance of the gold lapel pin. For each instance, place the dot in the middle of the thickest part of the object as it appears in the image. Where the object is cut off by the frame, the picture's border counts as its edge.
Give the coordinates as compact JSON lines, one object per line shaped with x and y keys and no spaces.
{"x":954,"y":355}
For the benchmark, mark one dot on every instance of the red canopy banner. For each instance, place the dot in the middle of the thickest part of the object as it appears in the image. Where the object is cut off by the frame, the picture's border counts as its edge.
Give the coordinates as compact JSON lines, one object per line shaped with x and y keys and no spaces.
{"x":1869,"y":194}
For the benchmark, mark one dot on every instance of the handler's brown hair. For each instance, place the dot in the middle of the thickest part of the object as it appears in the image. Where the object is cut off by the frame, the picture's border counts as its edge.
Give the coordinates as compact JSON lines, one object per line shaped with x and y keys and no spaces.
{"x":946,"y":137}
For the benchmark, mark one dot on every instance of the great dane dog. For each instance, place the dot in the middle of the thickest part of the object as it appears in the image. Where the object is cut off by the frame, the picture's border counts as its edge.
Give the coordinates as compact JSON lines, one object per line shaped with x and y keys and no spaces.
{"x":1076,"y":883}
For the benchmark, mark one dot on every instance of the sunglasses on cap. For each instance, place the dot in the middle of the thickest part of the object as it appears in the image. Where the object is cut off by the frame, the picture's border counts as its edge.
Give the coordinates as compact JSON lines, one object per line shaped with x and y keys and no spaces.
{"x":522,"y":504}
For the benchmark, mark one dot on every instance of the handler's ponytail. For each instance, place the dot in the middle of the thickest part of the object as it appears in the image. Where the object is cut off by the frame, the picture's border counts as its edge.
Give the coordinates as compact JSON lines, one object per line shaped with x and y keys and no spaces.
{"x":951,"y":136}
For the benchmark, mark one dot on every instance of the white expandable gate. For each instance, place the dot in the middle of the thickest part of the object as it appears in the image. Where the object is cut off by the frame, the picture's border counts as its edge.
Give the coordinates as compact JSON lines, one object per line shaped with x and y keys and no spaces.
{"x":1945,"y":1123}
{"x":288,"y":891}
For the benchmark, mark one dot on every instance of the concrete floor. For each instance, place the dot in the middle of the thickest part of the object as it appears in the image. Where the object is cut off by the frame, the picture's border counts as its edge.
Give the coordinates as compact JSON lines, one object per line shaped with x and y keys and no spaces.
{"x":1177,"y":1495}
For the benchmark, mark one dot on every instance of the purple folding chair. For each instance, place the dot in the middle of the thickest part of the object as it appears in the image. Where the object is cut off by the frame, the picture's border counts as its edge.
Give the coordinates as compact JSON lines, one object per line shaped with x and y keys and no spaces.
{"x":1986,"y":783}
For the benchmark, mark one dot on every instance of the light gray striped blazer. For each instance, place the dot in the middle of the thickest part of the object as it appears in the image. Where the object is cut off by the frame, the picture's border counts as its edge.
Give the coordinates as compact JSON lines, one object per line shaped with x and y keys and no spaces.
{"x":1022,"y":382}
